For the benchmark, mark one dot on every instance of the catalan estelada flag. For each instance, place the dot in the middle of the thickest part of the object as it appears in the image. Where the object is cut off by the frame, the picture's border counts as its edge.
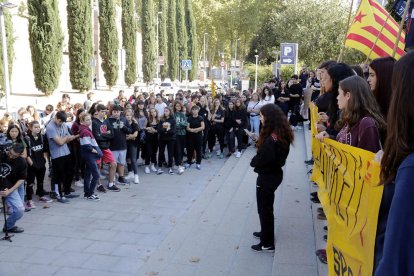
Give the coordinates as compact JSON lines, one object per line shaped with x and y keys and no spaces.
{"x":374,"y":28}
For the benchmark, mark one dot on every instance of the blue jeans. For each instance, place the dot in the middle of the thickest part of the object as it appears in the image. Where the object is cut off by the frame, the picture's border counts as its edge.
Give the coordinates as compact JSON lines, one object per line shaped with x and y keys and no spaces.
{"x":16,"y":208}
{"x":255,"y":124}
{"x":91,"y":171}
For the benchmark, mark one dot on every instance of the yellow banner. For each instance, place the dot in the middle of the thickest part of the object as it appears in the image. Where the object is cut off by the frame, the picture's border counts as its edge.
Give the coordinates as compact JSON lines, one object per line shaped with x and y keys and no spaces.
{"x":348,"y":179}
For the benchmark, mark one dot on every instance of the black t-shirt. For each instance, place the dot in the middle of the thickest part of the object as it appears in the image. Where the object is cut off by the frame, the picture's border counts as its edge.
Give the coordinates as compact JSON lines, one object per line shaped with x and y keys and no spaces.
{"x":295,"y":89}
{"x":36,"y":149}
{"x":134,"y":127}
{"x":323,"y":102}
{"x":218,"y":116}
{"x":204,"y":113}
{"x":17,"y":170}
{"x":195,"y":122}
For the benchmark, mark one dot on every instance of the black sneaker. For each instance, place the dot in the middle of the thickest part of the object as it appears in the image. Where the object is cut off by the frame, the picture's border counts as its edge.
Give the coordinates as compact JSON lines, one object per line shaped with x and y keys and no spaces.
{"x":113,"y":188}
{"x":325,"y":237}
{"x":63,"y":200}
{"x":101,"y":189}
{"x":260,"y":248}
{"x":14,"y":229}
{"x":70,"y":195}
{"x":314,"y":194}
{"x":93,"y":198}
{"x":257,"y":235}
{"x":53,"y":195}
{"x":122,"y":180}
{"x":309,"y":162}
{"x":170,"y":171}
{"x":325,"y":228}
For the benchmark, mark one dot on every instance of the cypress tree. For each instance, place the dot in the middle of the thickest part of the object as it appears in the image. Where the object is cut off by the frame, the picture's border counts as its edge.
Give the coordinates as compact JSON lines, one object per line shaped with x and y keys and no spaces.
{"x":80,"y":43}
{"x":148,"y":40}
{"x":129,"y":40}
{"x":108,"y":41}
{"x":182,"y":32}
{"x":10,"y":50}
{"x":163,"y":38}
{"x":46,"y":43}
{"x":172,"y":40}
{"x":192,"y":39}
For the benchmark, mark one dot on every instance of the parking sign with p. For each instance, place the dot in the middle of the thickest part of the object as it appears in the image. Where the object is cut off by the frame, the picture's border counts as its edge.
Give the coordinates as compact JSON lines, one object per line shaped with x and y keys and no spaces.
{"x":288,"y":53}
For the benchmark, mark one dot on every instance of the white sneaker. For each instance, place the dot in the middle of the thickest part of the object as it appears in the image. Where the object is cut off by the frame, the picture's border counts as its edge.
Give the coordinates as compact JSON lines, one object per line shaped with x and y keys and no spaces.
{"x":238,"y":154}
{"x":180,"y":169}
{"x":79,"y":183}
{"x":147,"y":170}
{"x":218,"y":153}
{"x":136,"y":179}
{"x":153,"y":168}
{"x":130,"y":175}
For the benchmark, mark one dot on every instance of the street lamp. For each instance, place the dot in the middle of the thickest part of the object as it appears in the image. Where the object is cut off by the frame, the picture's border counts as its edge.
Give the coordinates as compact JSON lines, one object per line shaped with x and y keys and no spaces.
{"x":235,"y":63}
{"x":158,"y":46}
{"x":255,"y":78}
{"x":205,"y":71}
{"x":6,"y":5}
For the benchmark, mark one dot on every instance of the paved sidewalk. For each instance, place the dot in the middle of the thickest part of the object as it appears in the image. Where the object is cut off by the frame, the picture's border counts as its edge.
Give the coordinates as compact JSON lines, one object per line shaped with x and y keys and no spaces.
{"x":200,"y":223}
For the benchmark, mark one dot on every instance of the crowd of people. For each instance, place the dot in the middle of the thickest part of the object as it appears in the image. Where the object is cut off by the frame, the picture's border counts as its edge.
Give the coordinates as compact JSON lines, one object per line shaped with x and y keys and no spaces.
{"x":368,"y":108}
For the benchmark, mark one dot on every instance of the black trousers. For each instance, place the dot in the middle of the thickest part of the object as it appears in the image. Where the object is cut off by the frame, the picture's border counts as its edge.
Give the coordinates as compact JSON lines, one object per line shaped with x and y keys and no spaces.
{"x":266,"y":186}
{"x":216,"y":130}
{"x":62,"y":173}
{"x":162,"y":144}
{"x":32,"y":175}
{"x":151,"y":154}
{"x":195,"y":141}
{"x":205,"y":139}
{"x":180,"y":144}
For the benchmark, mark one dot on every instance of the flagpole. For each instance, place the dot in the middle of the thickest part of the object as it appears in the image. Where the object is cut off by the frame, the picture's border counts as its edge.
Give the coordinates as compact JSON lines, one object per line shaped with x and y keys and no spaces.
{"x":341,"y":52}
{"x":407,"y":6}
{"x":376,"y":40}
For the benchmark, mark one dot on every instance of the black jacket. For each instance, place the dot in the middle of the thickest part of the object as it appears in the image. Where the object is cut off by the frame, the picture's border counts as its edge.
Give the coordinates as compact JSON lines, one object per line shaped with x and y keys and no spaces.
{"x":103,"y":133}
{"x":270,"y":157}
{"x":240,"y":114}
{"x":119,"y":142}
{"x":229,"y":119}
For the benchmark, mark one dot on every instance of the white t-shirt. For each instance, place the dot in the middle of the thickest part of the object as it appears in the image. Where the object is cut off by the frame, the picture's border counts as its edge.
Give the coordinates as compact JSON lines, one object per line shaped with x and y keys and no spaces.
{"x":268,"y":100}
{"x":160,"y":108}
{"x":254,"y":105}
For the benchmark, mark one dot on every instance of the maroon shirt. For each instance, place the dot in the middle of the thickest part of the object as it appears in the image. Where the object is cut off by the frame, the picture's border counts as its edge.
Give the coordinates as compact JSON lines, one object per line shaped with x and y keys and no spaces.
{"x":364,"y":135}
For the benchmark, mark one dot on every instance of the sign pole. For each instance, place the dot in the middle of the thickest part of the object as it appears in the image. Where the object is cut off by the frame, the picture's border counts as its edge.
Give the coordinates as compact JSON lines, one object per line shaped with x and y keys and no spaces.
{"x":186,"y":79}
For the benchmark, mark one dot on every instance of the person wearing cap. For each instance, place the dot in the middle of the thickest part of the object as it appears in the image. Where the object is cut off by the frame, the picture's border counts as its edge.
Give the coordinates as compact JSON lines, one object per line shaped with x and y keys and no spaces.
{"x":9,"y":187}
{"x":59,"y":137}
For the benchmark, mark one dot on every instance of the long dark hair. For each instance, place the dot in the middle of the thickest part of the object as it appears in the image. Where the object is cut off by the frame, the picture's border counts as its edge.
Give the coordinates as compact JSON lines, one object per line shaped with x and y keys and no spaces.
{"x":337,"y":72}
{"x":361,"y":103}
{"x":277,"y":123}
{"x":400,"y":131}
{"x":383,"y":68}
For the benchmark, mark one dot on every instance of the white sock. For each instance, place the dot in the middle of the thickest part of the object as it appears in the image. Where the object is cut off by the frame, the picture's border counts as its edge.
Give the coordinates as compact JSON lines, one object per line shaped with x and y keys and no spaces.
{"x":110,"y":184}
{"x":57,"y":190}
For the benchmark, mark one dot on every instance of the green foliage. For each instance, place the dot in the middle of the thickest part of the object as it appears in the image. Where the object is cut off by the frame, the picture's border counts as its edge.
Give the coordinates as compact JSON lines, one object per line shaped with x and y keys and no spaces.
{"x":172,"y":40}
{"x":318,"y":27}
{"x":129,"y":40}
{"x":10,"y":50}
{"x":46,"y":38}
{"x":163,"y":38}
{"x":182,"y":33}
{"x":80,"y":43}
{"x":108,"y":37}
{"x":287,"y":71}
{"x":192,"y":39}
{"x":264,"y":73}
{"x":148,"y":40}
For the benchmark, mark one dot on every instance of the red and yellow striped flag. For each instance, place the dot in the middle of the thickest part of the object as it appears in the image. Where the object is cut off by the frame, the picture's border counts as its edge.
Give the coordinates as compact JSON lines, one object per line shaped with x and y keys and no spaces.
{"x":213,"y":88}
{"x":374,"y":29}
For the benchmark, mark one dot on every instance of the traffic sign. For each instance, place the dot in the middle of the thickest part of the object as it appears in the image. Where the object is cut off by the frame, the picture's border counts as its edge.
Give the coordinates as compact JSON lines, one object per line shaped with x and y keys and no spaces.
{"x":289,"y":53}
{"x":186,"y":64}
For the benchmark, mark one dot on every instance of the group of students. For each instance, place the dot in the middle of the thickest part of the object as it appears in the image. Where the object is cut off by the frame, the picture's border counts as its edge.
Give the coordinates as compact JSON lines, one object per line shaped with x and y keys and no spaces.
{"x":373,"y":111}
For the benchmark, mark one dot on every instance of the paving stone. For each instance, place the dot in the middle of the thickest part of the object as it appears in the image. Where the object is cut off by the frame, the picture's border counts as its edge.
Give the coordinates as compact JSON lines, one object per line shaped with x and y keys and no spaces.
{"x":102,"y":247}
{"x":72,"y":259}
{"x":76,"y":245}
{"x":43,"y":256}
{"x":10,"y":268}
{"x":71,"y":271}
{"x":100,"y":262}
